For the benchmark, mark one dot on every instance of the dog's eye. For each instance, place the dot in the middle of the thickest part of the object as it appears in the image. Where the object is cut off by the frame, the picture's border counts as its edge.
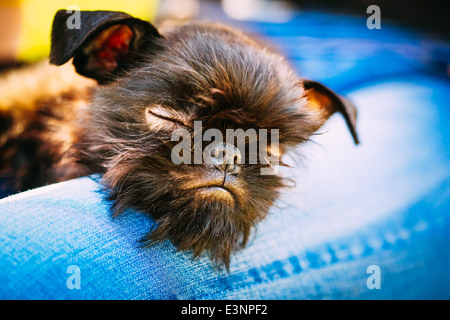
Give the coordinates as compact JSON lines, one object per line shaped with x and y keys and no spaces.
{"x":158,"y":116}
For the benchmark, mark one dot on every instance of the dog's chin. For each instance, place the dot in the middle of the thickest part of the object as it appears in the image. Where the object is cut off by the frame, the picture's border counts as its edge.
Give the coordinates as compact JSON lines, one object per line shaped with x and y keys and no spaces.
{"x":197,"y":215}
{"x":218,"y":194}
{"x":206,"y":219}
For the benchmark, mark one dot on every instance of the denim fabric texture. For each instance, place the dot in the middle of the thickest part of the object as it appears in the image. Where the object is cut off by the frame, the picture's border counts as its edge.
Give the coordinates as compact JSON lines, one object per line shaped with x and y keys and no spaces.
{"x":384,"y":203}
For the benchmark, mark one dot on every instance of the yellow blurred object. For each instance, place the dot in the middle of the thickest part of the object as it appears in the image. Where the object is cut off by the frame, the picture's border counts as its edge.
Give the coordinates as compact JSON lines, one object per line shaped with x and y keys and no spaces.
{"x":37,"y":17}
{"x":10,"y":18}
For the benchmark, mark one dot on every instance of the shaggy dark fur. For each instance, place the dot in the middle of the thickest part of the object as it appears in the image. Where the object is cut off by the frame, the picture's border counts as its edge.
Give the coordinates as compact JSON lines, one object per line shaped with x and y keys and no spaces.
{"x":193,"y":72}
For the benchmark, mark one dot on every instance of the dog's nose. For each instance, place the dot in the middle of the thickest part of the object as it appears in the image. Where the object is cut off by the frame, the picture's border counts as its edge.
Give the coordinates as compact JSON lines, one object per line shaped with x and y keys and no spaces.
{"x":226,"y":158}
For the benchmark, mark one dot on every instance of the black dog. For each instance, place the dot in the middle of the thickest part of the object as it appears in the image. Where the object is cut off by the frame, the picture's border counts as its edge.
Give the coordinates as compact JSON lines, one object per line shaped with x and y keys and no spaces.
{"x":153,"y":83}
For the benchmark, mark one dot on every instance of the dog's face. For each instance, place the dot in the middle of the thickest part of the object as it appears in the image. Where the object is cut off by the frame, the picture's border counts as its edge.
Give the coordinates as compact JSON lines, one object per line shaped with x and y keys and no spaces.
{"x":163,"y":97}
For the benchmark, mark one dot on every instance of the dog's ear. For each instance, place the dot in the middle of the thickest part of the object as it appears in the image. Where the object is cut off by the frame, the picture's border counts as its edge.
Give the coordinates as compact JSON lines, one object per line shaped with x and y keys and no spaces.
{"x":103,"y":44}
{"x":326,"y":102}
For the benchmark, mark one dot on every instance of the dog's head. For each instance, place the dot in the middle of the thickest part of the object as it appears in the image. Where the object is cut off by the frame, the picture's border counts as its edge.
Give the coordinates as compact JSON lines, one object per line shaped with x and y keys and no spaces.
{"x":188,"y":124}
